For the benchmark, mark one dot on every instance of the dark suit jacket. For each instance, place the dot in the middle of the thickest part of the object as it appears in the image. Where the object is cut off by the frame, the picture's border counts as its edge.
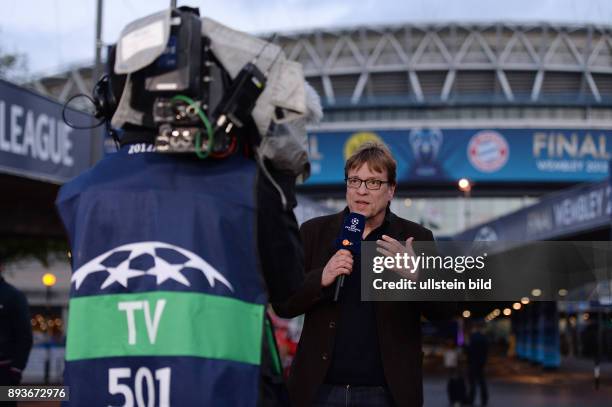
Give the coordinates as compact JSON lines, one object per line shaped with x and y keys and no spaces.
{"x":399,"y":323}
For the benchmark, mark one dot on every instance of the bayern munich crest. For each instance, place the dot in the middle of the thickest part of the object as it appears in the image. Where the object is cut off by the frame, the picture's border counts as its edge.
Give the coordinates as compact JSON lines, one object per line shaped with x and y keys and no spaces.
{"x":488,"y":151}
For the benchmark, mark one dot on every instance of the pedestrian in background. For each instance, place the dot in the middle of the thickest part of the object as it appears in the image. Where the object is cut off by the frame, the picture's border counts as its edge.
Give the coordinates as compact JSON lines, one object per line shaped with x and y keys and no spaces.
{"x":15,"y":334}
{"x":455,"y":387}
{"x":477,"y":351}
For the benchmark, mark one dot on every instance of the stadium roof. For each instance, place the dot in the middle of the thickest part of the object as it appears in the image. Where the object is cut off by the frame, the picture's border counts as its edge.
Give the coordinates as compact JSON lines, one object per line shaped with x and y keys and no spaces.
{"x":457,"y":63}
{"x":438,"y":64}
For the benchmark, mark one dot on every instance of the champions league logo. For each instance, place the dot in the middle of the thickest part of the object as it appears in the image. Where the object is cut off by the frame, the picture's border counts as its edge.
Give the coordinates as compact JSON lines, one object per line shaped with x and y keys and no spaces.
{"x":486,"y":234}
{"x":484,"y":239}
{"x":161,"y":260}
{"x":354,"y":226}
{"x":425,"y":144}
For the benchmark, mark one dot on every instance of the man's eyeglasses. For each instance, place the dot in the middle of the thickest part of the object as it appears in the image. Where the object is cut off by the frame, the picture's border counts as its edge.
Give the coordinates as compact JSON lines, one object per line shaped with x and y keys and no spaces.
{"x":372,"y":184}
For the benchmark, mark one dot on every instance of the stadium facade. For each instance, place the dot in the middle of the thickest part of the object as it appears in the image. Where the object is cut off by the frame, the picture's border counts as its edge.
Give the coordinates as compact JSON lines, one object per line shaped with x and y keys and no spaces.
{"x":519,"y":109}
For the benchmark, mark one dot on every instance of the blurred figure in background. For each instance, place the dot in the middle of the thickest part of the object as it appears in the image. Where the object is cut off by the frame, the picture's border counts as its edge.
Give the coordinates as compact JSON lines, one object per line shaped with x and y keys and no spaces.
{"x":477,"y":350}
{"x":451,"y":357}
{"x":15,"y":334}
{"x":455,"y":387}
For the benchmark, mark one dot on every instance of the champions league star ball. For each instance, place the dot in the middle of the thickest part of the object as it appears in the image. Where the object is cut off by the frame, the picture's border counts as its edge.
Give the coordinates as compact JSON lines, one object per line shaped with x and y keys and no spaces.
{"x":163,"y":261}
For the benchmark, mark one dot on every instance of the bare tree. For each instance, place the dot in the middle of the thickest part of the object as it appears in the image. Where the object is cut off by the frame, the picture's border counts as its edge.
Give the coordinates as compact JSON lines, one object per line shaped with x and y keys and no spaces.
{"x":13,"y":66}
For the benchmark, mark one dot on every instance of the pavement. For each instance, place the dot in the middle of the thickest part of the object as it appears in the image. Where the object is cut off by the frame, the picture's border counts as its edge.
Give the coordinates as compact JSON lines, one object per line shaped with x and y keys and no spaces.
{"x":515,"y":383}
{"x":512,"y":382}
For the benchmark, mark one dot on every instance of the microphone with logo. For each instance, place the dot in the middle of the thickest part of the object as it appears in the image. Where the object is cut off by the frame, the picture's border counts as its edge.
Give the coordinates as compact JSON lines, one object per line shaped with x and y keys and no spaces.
{"x":349,"y":239}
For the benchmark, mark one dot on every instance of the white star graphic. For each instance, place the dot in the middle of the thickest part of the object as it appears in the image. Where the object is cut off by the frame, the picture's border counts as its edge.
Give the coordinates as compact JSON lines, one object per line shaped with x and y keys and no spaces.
{"x":164,"y":271}
{"x":121,"y":274}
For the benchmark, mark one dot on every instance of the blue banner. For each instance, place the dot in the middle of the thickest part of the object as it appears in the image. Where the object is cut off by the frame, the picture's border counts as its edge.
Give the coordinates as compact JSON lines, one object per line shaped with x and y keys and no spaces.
{"x":34,"y":140}
{"x":479,"y":154}
{"x":582,"y":208}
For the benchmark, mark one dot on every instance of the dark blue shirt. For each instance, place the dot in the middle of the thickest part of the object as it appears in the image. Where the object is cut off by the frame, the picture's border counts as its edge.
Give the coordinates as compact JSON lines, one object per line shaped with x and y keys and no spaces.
{"x":356,"y":357}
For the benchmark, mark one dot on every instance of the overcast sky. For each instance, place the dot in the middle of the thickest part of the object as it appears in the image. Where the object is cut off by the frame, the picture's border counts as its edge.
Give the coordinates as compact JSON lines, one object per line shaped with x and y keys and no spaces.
{"x":56,"y":33}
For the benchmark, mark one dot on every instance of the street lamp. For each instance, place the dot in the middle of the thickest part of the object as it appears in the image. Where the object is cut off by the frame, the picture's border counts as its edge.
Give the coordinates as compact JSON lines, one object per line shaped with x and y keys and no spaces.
{"x":465,"y":186}
{"x":48,"y":280}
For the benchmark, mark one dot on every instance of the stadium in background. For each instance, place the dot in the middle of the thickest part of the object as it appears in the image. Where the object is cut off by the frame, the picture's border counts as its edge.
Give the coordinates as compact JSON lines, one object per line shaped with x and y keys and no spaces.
{"x":520,"y":110}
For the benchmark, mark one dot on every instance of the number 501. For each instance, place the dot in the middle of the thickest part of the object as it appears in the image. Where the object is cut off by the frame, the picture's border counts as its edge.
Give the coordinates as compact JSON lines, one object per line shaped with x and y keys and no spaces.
{"x":142,"y":379}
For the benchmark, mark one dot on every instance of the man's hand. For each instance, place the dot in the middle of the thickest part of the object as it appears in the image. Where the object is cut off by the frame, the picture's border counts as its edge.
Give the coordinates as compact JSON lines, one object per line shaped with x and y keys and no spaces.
{"x":340,"y":263}
{"x":390,"y":247}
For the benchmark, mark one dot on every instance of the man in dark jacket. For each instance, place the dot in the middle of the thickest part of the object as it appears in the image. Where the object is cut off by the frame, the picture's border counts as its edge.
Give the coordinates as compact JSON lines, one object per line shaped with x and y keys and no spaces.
{"x":15,"y":335}
{"x":351,"y":351}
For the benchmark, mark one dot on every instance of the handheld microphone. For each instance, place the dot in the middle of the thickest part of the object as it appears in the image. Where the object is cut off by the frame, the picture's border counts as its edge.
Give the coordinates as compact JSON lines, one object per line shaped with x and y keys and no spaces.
{"x":349,"y":239}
